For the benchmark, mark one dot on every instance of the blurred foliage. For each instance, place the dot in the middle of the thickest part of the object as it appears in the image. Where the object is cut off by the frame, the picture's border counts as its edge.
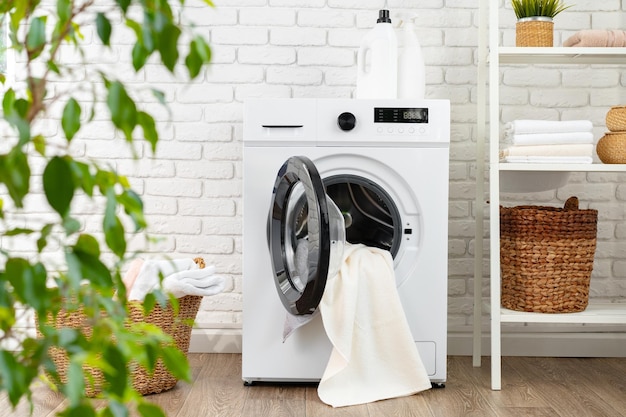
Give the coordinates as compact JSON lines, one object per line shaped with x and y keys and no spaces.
{"x":89,"y":277}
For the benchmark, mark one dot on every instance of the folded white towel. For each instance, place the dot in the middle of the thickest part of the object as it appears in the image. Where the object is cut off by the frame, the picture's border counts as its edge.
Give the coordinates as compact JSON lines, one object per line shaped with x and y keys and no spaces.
{"x":374,"y":355}
{"x":549,"y":138}
{"x":548,"y":126}
{"x":549,"y":150}
{"x":180,"y":277}
{"x":201,"y":282}
{"x":549,"y":159}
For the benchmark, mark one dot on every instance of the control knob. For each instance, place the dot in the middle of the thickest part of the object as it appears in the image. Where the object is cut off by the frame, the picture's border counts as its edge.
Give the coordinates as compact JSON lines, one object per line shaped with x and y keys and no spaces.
{"x":346,"y":121}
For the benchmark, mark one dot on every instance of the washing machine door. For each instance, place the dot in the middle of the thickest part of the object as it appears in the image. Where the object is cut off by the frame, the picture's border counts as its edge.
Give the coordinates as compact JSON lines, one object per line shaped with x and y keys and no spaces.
{"x":306,"y":235}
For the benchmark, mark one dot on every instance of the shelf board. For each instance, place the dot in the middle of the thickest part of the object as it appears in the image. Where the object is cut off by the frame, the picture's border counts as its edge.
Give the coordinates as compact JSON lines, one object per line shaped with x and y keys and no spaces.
{"x":562,"y":55}
{"x":596,"y":313}
{"x":505,"y":166}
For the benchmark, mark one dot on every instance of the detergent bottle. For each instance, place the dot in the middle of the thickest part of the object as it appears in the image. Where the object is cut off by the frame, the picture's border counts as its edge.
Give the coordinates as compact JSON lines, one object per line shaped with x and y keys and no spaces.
{"x":377,"y":61}
{"x":411,"y":68}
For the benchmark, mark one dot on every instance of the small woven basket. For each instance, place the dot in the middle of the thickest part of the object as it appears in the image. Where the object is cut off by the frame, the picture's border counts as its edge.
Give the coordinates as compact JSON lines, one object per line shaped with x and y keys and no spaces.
{"x":176,"y":326}
{"x":616,"y":119}
{"x":534,"y":32}
{"x":611,"y":148}
{"x":546,"y":257}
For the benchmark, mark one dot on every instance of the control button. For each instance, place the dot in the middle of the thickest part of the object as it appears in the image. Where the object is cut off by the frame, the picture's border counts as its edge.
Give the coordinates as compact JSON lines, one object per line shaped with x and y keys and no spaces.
{"x":346,"y":121}
{"x":422,"y":130}
{"x":390,"y":129}
{"x":400,"y":130}
{"x":379,"y":130}
{"x":411,"y":130}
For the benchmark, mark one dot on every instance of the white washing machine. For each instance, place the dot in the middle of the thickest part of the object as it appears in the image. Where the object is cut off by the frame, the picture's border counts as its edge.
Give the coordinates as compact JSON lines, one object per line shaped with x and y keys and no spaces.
{"x":316,"y":171}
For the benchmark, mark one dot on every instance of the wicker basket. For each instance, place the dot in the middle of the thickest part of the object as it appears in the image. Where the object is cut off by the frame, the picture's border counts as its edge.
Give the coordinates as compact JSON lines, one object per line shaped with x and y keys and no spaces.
{"x":616,"y":119}
{"x":534,"y":31}
{"x":546,"y":257}
{"x":176,"y":326}
{"x":611,"y":148}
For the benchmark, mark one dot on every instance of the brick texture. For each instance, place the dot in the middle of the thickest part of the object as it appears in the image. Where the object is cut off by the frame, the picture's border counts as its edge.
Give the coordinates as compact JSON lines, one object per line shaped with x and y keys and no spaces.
{"x":297,"y":48}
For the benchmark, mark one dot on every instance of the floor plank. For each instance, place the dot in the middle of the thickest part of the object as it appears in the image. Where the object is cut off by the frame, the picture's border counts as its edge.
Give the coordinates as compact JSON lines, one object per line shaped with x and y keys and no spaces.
{"x":531,"y":387}
{"x":553,"y":381}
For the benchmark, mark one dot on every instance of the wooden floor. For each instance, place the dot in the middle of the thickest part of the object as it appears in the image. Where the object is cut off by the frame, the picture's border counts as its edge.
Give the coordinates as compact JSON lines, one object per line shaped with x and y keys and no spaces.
{"x":532,"y":387}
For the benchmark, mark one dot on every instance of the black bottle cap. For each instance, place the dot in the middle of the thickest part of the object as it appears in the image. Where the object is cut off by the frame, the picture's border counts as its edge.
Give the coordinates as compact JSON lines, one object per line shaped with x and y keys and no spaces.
{"x":383,"y":16}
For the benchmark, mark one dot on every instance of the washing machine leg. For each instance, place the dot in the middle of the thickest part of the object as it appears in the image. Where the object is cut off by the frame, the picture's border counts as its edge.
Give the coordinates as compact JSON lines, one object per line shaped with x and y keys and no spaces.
{"x":438,"y":384}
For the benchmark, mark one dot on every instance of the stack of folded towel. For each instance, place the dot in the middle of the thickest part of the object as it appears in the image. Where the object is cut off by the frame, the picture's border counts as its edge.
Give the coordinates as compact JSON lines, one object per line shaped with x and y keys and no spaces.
{"x":597,"y":38}
{"x":544,"y":141}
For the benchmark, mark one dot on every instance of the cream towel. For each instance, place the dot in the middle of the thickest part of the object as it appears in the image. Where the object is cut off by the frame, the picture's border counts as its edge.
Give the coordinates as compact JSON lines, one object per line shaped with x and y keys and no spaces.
{"x":374,"y":356}
{"x":549,"y":138}
{"x":547,"y":126}
{"x":597,"y":38}
{"x":549,"y":150}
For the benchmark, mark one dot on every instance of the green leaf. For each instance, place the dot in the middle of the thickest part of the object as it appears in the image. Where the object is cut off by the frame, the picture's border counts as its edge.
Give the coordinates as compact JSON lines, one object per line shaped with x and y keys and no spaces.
{"x":199,"y":54}
{"x":103,"y":26}
{"x":168,"y":46}
{"x":15,"y":174}
{"x":40,"y":144}
{"x":117,"y":376}
{"x":140,"y":56}
{"x":149,"y":129}
{"x":133,"y":206}
{"x":58,"y":185}
{"x":75,"y":386}
{"x":176,"y":363}
{"x":117,"y":409}
{"x":42,"y":242}
{"x":71,"y":118}
{"x":64,"y":9}
{"x":150,"y":410}
{"x":36,"y":37}
{"x":29,"y":282}
{"x":80,"y":410}
{"x":16,"y":377}
{"x":123,"y":109}
{"x":82,"y":175}
{"x":88,"y":245}
{"x":71,"y":225}
{"x":112,"y":226}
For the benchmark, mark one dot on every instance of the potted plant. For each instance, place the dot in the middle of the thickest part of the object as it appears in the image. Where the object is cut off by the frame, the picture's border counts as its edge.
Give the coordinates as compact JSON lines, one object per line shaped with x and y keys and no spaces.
{"x":535,"y":26}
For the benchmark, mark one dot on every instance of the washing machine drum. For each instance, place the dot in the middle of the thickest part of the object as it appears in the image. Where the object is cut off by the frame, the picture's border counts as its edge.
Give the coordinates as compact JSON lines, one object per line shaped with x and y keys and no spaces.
{"x":306,"y":236}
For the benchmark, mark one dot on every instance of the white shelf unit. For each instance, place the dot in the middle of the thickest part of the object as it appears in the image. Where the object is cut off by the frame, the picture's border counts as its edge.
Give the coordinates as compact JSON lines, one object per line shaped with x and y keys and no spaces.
{"x":491,"y":56}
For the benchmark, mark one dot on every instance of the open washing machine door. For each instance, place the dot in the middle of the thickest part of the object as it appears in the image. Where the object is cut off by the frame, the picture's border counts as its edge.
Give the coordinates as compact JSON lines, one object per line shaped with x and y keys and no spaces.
{"x":306,"y":236}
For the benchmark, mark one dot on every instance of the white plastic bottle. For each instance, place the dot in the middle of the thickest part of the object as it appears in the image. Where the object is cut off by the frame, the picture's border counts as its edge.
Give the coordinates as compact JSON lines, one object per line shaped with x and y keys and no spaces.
{"x":377,"y":61}
{"x":411,"y":68}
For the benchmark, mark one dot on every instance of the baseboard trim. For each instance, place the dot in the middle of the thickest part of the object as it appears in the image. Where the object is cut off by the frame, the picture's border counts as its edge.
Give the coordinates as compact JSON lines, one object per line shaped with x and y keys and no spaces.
{"x":583,"y":344}
{"x":215,"y":341}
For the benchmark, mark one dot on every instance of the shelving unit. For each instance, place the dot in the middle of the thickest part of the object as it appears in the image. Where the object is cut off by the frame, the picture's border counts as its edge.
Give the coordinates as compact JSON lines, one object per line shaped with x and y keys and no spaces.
{"x":491,"y":55}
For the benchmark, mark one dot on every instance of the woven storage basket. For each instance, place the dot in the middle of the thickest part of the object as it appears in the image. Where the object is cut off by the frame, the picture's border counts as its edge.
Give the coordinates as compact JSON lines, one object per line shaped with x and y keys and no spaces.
{"x":611,"y":148}
{"x":546,"y":257}
{"x":616,"y":119}
{"x":176,"y":326}
{"x":534,"y":32}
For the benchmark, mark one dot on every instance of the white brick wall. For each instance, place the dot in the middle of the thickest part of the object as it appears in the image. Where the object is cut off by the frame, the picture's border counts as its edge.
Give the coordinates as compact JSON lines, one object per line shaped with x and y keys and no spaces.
{"x":307,"y":48}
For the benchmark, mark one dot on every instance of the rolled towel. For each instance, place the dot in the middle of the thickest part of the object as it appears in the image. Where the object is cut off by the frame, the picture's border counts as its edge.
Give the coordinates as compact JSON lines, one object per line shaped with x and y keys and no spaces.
{"x":597,"y":38}
{"x":548,"y":126}
{"x":550,"y":138}
{"x":549,"y":150}
{"x":200,"y":282}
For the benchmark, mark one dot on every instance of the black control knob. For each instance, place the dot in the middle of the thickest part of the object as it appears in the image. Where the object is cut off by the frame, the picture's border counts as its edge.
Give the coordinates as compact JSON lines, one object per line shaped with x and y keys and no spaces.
{"x":346,"y":121}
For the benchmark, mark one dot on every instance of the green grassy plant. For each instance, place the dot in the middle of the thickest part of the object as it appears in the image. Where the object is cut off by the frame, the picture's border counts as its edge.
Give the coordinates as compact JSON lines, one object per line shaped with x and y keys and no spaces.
{"x":530,"y":8}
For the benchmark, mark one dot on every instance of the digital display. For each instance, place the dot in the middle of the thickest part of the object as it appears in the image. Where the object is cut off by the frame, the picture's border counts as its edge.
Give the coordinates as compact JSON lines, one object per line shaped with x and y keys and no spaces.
{"x":400,"y":115}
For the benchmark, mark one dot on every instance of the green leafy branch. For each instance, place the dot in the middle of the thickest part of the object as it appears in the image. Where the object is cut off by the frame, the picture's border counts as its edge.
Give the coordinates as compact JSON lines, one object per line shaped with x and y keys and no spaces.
{"x":87,"y":282}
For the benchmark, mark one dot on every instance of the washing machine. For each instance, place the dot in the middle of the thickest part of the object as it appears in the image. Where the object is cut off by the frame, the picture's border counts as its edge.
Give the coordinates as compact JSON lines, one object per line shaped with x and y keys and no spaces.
{"x":321,"y":172}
